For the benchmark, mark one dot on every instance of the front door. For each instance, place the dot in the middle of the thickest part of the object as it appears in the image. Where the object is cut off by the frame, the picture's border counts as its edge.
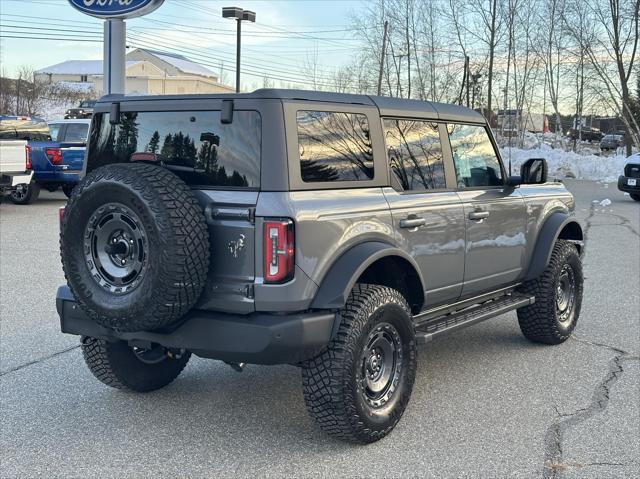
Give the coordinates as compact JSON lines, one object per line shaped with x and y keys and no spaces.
{"x":494,"y":212}
{"x":428,"y":216}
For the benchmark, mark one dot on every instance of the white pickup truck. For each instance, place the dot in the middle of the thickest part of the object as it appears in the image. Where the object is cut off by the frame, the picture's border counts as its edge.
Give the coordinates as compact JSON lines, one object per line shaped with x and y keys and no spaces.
{"x":15,"y":132}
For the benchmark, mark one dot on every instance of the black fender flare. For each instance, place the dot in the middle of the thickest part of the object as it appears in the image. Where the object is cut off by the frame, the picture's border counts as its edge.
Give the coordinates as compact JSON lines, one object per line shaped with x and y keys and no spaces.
{"x":345,"y":271}
{"x":549,"y":233}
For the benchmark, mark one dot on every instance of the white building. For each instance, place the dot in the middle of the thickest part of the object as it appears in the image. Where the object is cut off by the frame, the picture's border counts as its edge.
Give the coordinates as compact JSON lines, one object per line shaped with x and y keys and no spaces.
{"x":148,"y":72}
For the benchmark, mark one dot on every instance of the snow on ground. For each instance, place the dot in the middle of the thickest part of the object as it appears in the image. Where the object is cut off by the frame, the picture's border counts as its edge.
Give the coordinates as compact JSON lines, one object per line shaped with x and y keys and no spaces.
{"x":567,"y":164}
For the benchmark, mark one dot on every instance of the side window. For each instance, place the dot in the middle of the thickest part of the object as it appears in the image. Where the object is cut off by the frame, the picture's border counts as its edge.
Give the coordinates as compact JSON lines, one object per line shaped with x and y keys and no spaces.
{"x":54,"y":131}
{"x":334,"y":146}
{"x":76,"y":133}
{"x":415,"y":154}
{"x":474,"y":157}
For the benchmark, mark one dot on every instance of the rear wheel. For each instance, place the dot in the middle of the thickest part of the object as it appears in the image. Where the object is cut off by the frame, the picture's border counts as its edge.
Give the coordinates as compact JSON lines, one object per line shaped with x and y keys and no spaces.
{"x":558,"y":292}
{"x":124,"y":367}
{"x":359,"y":387}
{"x":67,"y":190}
{"x":635,"y":196}
{"x":25,"y":194}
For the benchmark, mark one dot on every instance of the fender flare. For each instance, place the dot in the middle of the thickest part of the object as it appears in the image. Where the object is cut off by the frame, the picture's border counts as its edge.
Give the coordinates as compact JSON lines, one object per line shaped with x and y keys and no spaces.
{"x":345,"y":271}
{"x":547,"y":237}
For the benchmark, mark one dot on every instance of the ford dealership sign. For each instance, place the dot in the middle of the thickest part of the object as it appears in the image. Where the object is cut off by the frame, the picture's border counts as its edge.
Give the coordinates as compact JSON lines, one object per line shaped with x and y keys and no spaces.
{"x":116,"y":8}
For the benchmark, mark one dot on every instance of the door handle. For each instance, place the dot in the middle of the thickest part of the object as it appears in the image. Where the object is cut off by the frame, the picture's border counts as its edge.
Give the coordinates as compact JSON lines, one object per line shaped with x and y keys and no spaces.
{"x":412,"y":222}
{"x":478,"y":215}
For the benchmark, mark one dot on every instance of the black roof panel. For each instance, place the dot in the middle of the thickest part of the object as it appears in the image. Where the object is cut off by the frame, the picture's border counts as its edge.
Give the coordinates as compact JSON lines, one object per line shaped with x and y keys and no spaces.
{"x":387,"y":106}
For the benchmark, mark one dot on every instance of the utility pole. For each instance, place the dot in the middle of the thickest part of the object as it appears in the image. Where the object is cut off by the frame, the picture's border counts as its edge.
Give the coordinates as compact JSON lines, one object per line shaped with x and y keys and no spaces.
{"x":384,"y":49}
{"x":466,"y":75}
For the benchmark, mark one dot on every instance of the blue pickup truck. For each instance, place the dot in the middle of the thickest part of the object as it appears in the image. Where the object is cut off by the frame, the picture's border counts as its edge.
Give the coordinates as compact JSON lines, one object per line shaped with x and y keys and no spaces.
{"x":57,"y":163}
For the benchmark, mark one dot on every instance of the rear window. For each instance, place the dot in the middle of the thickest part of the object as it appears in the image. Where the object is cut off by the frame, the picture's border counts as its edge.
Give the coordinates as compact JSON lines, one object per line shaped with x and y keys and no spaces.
{"x":334,"y":146}
{"x":196,"y":146}
{"x":76,"y":133}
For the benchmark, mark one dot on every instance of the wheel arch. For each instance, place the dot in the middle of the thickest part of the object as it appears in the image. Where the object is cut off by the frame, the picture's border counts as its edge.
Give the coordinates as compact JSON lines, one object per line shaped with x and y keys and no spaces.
{"x":558,"y":225}
{"x":375,"y":263}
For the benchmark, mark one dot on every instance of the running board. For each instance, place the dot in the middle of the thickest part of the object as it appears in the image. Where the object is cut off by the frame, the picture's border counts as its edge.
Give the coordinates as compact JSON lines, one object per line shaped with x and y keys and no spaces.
{"x":426,"y":331}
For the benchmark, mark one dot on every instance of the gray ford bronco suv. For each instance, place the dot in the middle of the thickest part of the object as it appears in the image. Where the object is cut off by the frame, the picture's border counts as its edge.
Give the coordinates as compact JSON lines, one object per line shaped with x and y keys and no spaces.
{"x":335,"y":232}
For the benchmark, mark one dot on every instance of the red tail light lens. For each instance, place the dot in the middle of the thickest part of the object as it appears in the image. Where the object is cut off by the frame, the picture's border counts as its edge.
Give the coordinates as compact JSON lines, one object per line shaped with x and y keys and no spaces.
{"x":54,"y":155}
{"x":27,"y":152}
{"x":61,"y":215}
{"x":279,"y":251}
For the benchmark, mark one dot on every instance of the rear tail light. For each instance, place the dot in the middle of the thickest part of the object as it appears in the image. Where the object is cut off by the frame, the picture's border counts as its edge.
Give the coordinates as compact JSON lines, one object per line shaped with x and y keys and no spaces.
{"x":61,"y":215}
{"x":27,"y":152}
{"x":54,"y":155}
{"x":279,"y":251}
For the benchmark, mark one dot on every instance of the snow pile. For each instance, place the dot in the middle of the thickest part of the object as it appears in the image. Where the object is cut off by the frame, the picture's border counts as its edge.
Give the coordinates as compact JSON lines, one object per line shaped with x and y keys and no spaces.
{"x":567,"y":164}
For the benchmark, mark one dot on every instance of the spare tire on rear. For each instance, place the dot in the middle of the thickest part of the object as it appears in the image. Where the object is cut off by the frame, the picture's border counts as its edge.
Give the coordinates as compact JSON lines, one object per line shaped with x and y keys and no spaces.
{"x":134,"y":246}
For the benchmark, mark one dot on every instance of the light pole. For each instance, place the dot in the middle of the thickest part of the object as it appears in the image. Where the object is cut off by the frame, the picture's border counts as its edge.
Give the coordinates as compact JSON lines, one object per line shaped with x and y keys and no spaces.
{"x":239,"y":14}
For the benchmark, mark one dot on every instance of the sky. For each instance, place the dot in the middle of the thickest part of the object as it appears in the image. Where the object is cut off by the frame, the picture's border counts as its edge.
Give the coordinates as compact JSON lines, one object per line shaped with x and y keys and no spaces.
{"x":286,"y":34}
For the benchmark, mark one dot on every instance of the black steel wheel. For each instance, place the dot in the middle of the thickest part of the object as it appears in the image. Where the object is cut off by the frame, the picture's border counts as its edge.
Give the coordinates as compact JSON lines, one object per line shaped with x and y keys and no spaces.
{"x":558,"y":292}
{"x":359,"y":387}
{"x":635,"y":196}
{"x":121,"y":366}
{"x":381,"y":365}
{"x":116,"y":248}
{"x":25,"y":194}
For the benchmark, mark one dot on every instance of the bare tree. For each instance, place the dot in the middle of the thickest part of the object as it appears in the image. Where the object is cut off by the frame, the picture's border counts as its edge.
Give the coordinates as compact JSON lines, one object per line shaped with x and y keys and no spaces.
{"x":612,"y":46}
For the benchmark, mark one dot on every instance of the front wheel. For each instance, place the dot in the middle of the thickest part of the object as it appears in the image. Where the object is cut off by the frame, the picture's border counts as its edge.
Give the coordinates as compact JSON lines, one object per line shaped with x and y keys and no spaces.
{"x":25,"y":194}
{"x":558,"y":292}
{"x":121,"y":366}
{"x":635,"y":196}
{"x":359,"y":387}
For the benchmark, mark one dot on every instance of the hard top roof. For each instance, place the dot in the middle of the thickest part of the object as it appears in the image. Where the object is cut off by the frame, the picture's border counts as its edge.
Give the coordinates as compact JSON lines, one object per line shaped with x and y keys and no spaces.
{"x":398,"y":107}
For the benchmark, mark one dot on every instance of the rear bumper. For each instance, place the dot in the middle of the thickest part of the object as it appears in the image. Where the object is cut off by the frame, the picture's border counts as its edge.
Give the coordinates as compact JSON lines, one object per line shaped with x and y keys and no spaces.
{"x":58,"y":176}
{"x":257,"y":338}
{"x":11,"y":180}
{"x":623,"y":184}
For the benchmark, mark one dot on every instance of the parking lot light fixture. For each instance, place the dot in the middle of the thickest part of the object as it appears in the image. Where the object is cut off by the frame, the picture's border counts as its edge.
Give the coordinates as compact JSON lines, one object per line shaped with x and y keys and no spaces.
{"x":239,"y":15}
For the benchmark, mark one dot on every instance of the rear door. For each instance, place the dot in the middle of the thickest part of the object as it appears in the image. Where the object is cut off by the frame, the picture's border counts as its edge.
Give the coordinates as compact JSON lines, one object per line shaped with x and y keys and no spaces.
{"x":219,"y":160}
{"x":494,"y":212}
{"x":427,"y":213}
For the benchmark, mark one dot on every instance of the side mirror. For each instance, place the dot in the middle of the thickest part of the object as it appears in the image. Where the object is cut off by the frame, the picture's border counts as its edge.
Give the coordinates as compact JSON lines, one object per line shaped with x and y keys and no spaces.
{"x":534,"y":171}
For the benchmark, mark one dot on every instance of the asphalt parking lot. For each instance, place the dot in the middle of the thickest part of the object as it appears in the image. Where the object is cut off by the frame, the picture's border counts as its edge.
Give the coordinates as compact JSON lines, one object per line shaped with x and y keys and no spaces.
{"x":486,"y":402}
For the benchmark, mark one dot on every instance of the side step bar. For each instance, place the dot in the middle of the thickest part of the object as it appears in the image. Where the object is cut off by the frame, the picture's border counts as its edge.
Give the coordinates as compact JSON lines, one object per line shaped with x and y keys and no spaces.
{"x":426,"y":331}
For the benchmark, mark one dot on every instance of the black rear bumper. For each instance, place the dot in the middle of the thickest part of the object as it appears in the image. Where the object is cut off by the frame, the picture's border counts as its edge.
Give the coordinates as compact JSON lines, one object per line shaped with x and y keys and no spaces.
{"x":257,"y":338}
{"x":623,"y":184}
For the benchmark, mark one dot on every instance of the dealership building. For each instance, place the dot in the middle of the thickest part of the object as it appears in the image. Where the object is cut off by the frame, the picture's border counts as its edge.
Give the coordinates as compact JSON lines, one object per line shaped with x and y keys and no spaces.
{"x":148,"y":72}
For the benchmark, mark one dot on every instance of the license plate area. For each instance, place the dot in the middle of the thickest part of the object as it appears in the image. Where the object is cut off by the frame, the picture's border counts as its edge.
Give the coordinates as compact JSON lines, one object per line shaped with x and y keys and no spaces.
{"x":632,"y":182}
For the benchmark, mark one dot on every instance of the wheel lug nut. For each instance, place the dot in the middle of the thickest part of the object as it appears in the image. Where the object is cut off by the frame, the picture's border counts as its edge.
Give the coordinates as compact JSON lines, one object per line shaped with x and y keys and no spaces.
{"x":124,"y":262}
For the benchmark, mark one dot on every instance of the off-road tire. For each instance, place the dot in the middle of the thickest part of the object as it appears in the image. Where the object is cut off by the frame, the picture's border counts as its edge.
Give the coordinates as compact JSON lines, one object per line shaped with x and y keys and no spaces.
{"x":540,"y":322}
{"x":68,"y":190}
{"x":175,"y":264}
{"x":331,"y":387}
{"x":635,"y":196}
{"x":31,"y":195}
{"x":116,"y":365}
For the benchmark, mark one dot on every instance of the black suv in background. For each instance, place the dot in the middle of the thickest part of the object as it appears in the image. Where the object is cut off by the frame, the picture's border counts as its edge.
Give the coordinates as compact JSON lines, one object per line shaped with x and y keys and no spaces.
{"x":84,"y":110}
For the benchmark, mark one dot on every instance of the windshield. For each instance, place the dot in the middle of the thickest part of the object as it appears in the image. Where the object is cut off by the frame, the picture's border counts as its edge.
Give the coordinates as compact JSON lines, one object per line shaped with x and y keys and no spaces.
{"x":195,"y":145}
{"x":87,"y":104}
{"x":20,"y":129}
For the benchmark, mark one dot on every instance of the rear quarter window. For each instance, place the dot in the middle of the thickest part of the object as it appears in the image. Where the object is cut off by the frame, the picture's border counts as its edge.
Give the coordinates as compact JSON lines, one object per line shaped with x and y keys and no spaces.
{"x":334,"y":147}
{"x":195,"y":145}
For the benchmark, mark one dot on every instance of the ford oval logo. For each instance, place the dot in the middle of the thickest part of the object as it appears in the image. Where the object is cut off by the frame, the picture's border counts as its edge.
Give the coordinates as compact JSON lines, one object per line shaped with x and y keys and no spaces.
{"x":116,"y":8}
